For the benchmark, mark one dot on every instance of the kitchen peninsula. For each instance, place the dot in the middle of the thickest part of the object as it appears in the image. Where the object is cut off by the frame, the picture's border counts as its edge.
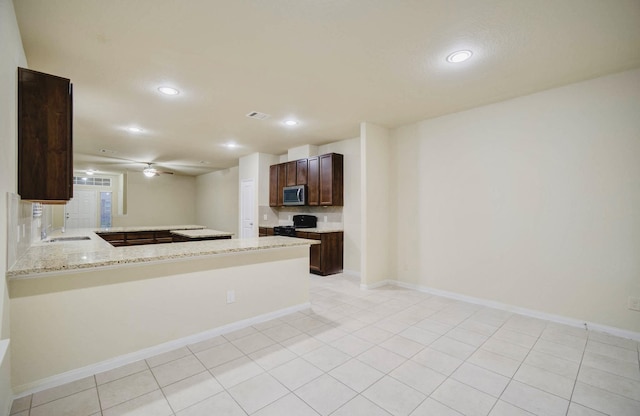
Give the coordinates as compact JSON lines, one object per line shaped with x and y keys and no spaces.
{"x":83,"y":306}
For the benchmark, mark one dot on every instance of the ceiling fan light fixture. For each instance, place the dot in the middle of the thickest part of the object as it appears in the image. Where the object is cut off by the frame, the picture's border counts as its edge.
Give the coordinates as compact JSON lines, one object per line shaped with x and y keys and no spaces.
{"x":459,"y":56}
{"x":149,"y":172}
{"x":168,"y":90}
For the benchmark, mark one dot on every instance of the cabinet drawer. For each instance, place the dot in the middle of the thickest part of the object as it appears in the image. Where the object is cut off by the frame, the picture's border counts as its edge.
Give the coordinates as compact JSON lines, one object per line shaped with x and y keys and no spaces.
{"x":309,"y":235}
{"x":111,"y":236}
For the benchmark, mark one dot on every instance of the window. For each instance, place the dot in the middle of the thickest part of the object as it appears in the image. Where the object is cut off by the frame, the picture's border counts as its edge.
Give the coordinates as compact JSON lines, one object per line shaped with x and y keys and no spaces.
{"x":77,"y":180}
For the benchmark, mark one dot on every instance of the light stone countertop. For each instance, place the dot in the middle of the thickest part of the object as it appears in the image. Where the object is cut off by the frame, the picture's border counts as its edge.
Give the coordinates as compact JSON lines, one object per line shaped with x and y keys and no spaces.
{"x":333,"y":229}
{"x":201,"y":233}
{"x":149,"y":228}
{"x":54,"y":258}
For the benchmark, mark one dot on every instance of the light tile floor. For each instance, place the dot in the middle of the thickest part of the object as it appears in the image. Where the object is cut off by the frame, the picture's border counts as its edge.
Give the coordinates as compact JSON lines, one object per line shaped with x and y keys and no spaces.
{"x":377,"y":352}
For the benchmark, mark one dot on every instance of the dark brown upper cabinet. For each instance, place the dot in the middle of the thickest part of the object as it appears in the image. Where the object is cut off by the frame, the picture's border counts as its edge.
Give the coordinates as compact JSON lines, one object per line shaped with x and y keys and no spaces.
{"x":301,"y":172}
{"x":45,"y":149}
{"x":313,"y":181}
{"x":331,"y":179}
{"x":291,"y":173}
{"x":273,"y":186}
{"x":282,"y":181}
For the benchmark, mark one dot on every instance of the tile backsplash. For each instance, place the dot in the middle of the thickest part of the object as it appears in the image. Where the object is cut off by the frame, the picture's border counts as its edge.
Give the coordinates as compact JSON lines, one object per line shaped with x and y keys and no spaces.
{"x":22,"y":227}
{"x":283,"y":215}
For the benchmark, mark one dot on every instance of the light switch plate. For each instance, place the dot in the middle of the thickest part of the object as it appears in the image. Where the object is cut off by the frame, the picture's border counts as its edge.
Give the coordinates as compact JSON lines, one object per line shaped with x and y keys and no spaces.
{"x":231,"y":296}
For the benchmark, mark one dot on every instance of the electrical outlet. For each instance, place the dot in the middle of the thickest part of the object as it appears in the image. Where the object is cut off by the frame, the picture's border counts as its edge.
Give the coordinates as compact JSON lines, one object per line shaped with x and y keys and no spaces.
{"x":264,"y":217}
{"x":231,"y":296}
{"x":289,"y":217}
{"x":325,"y":218}
{"x":634,"y":304}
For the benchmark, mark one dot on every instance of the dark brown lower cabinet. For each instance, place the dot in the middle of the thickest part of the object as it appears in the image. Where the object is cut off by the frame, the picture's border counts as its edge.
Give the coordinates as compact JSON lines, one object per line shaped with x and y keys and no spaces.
{"x":137,"y":238}
{"x":265,"y":231}
{"x":327,"y":257}
{"x":181,"y":238}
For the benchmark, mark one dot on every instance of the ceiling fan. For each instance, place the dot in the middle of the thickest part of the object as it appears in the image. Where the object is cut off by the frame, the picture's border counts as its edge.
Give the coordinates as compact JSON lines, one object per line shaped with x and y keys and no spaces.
{"x":150,"y":171}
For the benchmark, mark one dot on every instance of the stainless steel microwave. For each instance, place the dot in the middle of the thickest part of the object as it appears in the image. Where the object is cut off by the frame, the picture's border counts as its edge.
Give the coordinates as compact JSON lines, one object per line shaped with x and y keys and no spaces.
{"x":294,"y":195}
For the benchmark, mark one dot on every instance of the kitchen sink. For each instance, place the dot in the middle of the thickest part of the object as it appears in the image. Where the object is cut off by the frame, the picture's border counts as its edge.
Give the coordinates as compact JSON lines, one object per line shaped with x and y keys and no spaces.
{"x":63,"y":239}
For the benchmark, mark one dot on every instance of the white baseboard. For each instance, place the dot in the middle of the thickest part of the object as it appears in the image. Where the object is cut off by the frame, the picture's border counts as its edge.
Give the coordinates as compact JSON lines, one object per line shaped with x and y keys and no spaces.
{"x":619,"y":332}
{"x":77,"y":374}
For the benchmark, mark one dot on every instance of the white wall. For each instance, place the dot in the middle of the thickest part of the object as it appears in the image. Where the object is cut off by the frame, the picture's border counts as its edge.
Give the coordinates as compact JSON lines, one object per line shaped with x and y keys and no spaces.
{"x":159,"y":200}
{"x":351,"y":210}
{"x":532,"y":202}
{"x":375,"y":150}
{"x":217,"y":200}
{"x":12,"y":56}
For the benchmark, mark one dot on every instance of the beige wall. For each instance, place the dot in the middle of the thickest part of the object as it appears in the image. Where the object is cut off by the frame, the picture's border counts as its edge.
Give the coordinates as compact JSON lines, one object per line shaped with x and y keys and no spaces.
{"x":12,"y":57}
{"x":217,"y":200}
{"x":376,"y":258}
{"x":160,"y":200}
{"x":532,"y":202}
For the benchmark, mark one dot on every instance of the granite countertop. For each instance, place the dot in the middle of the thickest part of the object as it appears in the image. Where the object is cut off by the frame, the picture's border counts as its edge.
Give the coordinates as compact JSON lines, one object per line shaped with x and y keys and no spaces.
{"x":59,"y":257}
{"x":330,"y":229}
{"x":202,"y":233}
{"x":149,"y":228}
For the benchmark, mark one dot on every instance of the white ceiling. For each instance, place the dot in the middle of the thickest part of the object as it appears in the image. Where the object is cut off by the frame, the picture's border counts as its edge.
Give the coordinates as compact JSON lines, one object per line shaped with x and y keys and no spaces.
{"x":328,"y":63}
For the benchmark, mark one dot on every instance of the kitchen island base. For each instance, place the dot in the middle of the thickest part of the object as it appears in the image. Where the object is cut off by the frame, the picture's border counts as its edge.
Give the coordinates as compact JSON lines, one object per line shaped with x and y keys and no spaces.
{"x":71,"y":323}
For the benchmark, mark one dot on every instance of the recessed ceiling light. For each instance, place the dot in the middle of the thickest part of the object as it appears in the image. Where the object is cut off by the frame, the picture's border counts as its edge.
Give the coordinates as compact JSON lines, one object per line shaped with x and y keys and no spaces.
{"x":459,"y":56}
{"x":135,"y":129}
{"x":291,"y":123}
{"x":168,"y":91}
{"x":230,"y":145}
{"x":90,"y":172}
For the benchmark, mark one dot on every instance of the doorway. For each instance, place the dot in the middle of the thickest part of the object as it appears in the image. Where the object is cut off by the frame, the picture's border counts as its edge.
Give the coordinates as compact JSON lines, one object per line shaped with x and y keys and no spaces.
{"x":247,"y":211}
{"x":81,"y":210}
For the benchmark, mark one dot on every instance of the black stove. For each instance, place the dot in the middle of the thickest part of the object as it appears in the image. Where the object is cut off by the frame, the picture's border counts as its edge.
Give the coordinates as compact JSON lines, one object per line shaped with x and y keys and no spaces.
{"x":299,"y":221}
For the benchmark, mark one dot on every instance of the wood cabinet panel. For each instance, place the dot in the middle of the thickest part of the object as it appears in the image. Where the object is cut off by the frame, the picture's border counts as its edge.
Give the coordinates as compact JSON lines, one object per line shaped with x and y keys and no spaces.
{"x":331,"y":179}
{"x":282,"y":181}
{"x":273,"y":185}
{"x":45,"y":150}
{"x":301,"y":172}
{"x":313,"y":181}
{"x":291,"y":173}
